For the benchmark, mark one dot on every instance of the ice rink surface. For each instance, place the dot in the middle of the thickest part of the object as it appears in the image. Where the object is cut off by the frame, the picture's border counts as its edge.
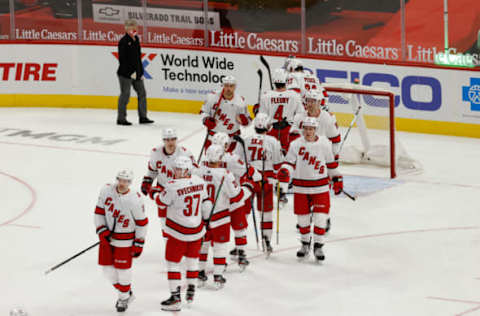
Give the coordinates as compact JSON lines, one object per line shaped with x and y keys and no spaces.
{"x":412,"y":248}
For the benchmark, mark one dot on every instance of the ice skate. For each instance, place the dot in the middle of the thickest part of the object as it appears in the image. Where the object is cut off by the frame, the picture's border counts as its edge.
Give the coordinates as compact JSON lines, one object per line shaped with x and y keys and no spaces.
{"x":122,"y":305}
{"x":219,"y":281}
{"x":303,"y":252}
{"x":234,"y":254}
{"x":268,"y":248}
{"x":318,"y":252}
{"x":202,"y":278}
{"x":242,"y":260}
{"x":190,"y":293}
{"x":173,"y":303}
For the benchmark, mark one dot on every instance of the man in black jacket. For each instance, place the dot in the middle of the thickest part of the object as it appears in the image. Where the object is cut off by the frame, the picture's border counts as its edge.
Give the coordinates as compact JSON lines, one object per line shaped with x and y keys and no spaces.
{"x":130,"y":73}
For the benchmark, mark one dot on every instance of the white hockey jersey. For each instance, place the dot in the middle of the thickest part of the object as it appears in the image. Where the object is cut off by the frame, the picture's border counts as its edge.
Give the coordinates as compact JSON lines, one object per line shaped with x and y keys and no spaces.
{"x":295,"y":80}
{"x":311,"y":164}
{"x":160,"y":164}
{"x":279,"y":105}
{"x":230,"y":197}
{"x":327,"y":126}
{"x":225,"y":112}
{"x":255,"y":147}
{"x":187,"y":205}
{"x":122,"y":214}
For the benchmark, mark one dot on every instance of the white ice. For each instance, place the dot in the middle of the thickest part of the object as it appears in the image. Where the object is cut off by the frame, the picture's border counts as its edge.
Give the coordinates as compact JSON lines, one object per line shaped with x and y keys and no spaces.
{"x":412,"y":249}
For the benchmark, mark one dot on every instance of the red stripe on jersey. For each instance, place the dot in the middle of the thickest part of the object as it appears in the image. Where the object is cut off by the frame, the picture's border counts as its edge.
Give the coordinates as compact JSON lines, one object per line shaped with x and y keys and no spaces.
{"x":203,"y":256}
{"x":220,"y":215}
{"x":123,"y":236}
{"x":277,"y":166}
{"x":101,"y":228}
{"x":220,"y":261}
{"x":182,"y":229}
{"x":162,"y":212}
{"x":337,"y":139}
{"x":310,"y":183}
{"x":304,"y":230}
{"x":192,"y":274}
{"x":237,"y":198}
{"x":332,"y":165}
{"x":174,"y":275}
{"x":141,"y":222}
{"x":318,"y":230}
{"x":99,"y":211}
{"x":240,"y":241}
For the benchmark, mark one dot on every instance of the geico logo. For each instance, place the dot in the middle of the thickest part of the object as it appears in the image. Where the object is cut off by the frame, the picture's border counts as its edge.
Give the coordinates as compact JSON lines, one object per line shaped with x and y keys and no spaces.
{"x":29,"y":71}
{"x":416,"y":92}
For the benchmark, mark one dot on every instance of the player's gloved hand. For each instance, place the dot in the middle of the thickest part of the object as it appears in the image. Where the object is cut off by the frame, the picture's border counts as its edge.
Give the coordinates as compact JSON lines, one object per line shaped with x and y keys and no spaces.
{"x":283,"y":175}
{"x":209,"y":122}
{"x":255,"y":109}
{"x":283,"y":187}
{"x":104,"y":236}
{"x":137,"y":247}
{"x":243,"y":119}
{"x":337,"y":185}
{"x":154,"y":191}
{"x":146,"y":185}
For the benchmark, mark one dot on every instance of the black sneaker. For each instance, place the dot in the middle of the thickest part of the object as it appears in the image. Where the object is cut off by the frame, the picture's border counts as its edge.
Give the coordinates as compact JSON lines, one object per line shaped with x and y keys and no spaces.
{"x":124,"y":123}
{"x":145,"y":120}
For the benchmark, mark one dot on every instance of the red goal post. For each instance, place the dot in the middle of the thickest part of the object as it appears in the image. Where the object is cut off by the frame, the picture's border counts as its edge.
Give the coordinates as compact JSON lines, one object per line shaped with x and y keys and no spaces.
{"x":355,"y":89}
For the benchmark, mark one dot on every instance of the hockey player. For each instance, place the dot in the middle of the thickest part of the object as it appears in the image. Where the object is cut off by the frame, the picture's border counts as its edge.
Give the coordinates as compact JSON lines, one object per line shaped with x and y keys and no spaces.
{"x":296,"y":74}
{"x":246,"y":177}
{"x":281,"y":106}
{"x":228,"y":195}
{"x":187,"y":205}
{"x":121,"y":227}
{"x":225,"y":111}
{"x":161,"y":165}
{"x":327,"y":124}
{"x":310,"y":164}
{"x":264,"y":153}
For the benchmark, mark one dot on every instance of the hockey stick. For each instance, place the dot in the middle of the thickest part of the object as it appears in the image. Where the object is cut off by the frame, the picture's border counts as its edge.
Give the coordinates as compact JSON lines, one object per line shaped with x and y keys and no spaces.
{"x":278,"y":212}
{"x":240,"y":140}
{"x":214,"y":203}
{"x":79,"y":253}
{"x":263,"y":201}
{"x":351,"y":197}
{"x":260,"y":75}
{"x":357,"y":112}
{"x":215,"y":108}
{"x":265,"y":63}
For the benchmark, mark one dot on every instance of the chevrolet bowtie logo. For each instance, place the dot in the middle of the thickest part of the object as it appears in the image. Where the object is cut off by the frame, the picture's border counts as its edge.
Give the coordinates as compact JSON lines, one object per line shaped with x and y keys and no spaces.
{"x":109,"y":11}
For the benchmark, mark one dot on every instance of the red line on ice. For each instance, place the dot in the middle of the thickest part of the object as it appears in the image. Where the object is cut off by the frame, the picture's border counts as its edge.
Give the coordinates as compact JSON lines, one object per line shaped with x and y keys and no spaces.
{"x":32,"y":202}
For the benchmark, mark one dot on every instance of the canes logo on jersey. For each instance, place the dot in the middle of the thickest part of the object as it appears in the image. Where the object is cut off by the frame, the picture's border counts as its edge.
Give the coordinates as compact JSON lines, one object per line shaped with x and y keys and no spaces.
{"x":312,"y":160}
{"x":110,"y":207}
{"x":163,"y":169}
{"x":223,"y":117}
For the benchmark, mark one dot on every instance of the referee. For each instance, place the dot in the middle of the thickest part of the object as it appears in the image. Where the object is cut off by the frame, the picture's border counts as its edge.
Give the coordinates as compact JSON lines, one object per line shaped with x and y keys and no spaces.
{"x":130,"y":73}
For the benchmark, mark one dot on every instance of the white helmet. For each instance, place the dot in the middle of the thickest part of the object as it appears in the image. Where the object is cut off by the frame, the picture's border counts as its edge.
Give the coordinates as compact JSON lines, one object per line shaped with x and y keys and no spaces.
{"x":310,"y":122}
{"x":169,"y":133}
{"x":221,"y":139}
{"x":215,"y":153}
{"x":287,"y":62}
{"x":184,"y":163}
{"x":229,"y":80}
{"x":125,"y":174}
{"x":314,"y":94}
{"x":279,"y":76}
{"x":294,"y":64}
{"x":262,"y":121}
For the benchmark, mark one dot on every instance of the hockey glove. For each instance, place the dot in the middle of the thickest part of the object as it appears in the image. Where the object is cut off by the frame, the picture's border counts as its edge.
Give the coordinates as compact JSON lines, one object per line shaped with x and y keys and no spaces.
{"x":146,"y":185}
{"x":104,"y":236}
{"x":210,"y":122}
{"x":283,"y":175}
{"x":154,"y":191}
{"x":337,"y":185}
{"x":137,"y":247}
{"x":243,"y":119}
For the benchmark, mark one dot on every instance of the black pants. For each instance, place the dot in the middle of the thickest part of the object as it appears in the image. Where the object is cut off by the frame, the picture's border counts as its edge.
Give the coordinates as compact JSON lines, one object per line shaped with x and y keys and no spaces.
{"x":125,"y":87}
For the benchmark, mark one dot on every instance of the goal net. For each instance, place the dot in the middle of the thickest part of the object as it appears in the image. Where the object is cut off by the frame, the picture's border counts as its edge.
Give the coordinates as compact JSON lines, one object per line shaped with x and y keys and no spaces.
{"x":369,"y":136}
